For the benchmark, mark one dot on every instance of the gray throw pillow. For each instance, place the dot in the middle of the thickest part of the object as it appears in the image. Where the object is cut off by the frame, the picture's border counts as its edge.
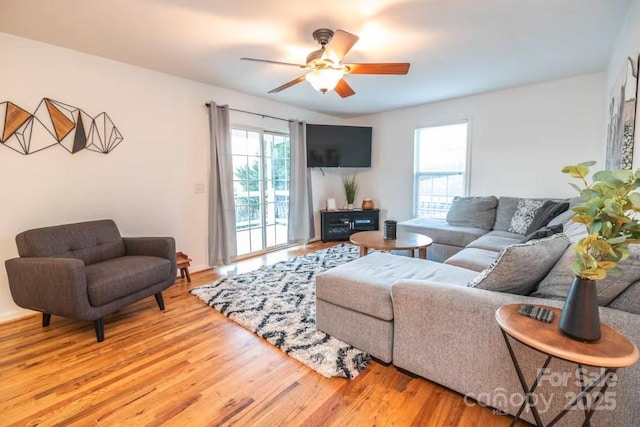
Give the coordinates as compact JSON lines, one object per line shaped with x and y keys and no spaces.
{"x":506,"y":208}
{"x":543,"y":232}
{"x":546,"y":213}
{"x":524,"y":215}
{"x":566,"y":216}
{"x":520,"y":267}
{"x":563,"y":218}
{"x":557,"y":283}
{"x":477,"y":212}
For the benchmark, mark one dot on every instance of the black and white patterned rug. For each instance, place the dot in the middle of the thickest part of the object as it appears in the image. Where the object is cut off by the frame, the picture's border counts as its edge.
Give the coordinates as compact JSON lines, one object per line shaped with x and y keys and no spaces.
{"x":278,"y":303}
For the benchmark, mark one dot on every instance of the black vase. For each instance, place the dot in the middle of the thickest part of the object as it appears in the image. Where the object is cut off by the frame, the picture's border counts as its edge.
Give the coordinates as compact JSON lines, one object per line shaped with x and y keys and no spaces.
{"x":580,"y":319}
{"x":390,"y":229}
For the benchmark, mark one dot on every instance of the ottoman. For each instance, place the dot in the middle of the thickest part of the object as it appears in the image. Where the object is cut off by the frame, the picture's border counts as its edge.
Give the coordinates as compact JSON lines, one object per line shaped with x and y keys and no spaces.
{"x":353,"y":300}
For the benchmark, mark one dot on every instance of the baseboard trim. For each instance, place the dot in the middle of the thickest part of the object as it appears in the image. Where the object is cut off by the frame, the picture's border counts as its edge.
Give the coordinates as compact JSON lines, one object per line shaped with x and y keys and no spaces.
{"x":16,"y":314}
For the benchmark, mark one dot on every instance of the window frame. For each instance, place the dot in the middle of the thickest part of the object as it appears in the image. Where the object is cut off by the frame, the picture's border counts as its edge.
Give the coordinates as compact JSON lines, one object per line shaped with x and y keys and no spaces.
{"x":467,"y":170}
{"x":262,"y":184}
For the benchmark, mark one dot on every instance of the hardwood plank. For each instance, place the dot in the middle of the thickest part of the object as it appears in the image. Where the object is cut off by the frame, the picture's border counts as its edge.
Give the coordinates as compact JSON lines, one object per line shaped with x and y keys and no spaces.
{"x":190,"y":365}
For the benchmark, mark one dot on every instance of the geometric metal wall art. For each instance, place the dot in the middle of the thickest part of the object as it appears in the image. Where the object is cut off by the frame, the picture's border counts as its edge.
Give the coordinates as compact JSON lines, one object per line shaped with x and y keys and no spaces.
{"x":56,"y":123}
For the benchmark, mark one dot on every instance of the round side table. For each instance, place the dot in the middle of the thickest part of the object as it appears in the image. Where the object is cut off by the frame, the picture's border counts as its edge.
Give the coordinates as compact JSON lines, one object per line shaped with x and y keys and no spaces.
{"x":611,"y":352}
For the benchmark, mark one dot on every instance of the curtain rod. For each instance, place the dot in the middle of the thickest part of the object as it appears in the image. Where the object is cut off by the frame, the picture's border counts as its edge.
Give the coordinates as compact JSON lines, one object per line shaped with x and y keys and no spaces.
{"x":208,"y":104}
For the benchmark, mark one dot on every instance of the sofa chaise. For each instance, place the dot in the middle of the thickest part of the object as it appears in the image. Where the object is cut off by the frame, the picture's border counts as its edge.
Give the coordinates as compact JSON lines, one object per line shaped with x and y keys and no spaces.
{"x":437,"y":319}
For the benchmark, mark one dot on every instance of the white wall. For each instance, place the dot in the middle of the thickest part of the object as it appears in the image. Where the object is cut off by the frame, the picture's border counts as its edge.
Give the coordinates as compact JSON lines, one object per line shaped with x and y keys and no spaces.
{"x":520,"y":140}
{"x":147,"y":183}
{"x":628,"y":44}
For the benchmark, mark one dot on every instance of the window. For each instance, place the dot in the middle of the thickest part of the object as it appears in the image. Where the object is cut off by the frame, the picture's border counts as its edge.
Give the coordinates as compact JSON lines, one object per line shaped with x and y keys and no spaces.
{"x":261,"y":188}
{"x":440,"y":168}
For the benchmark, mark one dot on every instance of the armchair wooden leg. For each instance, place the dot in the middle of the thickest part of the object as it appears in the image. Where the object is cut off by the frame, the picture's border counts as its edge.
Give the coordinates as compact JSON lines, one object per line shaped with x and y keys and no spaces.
{"x":46,"y":319}
{"x":159,"y":300}
{"x":99,"y":326}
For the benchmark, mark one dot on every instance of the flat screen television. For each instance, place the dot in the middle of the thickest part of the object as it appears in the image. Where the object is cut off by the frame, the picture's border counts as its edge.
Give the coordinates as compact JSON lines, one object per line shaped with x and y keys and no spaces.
{"x":338,"y":146}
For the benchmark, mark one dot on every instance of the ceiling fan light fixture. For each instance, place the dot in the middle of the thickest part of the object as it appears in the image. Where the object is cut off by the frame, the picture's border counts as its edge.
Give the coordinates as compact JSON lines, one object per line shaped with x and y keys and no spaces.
{"x":325,"y":64}
{"x":324,"y":80}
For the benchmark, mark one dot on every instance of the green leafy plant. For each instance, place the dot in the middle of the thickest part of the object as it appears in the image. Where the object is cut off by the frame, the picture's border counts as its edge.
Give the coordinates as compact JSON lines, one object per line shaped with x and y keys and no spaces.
{"x":350,"y":188}
{"x":610,"y":213}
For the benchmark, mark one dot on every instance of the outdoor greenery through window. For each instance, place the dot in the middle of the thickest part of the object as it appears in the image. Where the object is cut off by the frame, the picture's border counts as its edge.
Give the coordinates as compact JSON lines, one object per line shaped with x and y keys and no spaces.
{"x":440,"y":168}
{"x":261,"y":188}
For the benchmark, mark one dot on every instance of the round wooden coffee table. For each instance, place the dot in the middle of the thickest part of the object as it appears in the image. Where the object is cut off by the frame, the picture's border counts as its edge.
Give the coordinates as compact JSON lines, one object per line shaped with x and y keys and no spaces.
{"x":405,"y":241}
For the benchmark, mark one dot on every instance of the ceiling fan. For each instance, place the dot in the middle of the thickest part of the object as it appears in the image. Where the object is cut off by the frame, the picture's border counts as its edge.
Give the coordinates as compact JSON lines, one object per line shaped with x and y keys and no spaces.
{"x":325,"y":70}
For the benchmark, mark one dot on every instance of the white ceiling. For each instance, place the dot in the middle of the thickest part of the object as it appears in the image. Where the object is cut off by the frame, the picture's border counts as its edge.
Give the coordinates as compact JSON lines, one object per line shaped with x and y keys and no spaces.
{"x":455,"y":47}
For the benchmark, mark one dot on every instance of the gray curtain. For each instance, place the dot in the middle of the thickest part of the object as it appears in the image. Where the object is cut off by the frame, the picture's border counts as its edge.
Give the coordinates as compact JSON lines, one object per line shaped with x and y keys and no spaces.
{"x":222,"y":215}
{"x":301,"y":226}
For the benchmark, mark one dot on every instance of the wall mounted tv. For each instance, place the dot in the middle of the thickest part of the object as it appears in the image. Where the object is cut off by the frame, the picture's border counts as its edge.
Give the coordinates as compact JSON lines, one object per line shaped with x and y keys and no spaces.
{"x":338,"y":146}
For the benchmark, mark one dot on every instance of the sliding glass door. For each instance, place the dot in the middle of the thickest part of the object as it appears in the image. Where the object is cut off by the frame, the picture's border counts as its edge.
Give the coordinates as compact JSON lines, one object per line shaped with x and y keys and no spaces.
{"x":261,"y":188}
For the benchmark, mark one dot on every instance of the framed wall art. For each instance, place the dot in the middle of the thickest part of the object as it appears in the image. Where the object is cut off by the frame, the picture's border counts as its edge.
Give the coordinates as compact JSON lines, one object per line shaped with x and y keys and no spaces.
{"x":622,"y":117}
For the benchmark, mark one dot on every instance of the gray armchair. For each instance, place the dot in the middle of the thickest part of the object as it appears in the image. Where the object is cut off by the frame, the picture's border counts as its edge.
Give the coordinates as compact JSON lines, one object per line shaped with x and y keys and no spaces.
{"x":86,"y":270}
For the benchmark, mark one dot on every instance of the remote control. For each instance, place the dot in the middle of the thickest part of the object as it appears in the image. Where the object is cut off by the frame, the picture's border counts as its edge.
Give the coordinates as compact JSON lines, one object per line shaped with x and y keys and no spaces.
{"x":538,"y":313}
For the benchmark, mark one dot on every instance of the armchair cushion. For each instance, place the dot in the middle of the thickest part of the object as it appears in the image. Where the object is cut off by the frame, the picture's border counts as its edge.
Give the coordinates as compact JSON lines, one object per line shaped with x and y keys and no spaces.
{"x":163,"y":247}
{"x":91,"y":241}
{"x":116,"y":278}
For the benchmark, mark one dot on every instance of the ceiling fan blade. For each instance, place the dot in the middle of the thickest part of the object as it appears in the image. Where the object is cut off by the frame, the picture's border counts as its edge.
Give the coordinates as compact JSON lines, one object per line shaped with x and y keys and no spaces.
{"x":380,"y":68}
{"x":340,"y":44}
{"x":286,"y":85}
{"x":273,"y":62}
{"x":343,"y":89}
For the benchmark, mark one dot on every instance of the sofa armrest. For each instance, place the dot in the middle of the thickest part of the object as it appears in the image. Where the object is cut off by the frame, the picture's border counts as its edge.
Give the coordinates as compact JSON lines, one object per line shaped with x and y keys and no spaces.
{"x":449,"y":335}
{"x":162,"y":247}
{"x":51,"y":285}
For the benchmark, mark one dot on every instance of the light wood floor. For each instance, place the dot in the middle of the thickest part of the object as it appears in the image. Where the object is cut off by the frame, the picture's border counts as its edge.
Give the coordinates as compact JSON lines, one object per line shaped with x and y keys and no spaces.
{"x":191,"y":366}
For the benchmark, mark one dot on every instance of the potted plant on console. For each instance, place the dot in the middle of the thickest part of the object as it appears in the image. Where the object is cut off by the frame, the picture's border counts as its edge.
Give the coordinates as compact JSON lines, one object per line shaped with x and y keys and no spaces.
{"x":610,"y":214}
{"x":350,"y":189}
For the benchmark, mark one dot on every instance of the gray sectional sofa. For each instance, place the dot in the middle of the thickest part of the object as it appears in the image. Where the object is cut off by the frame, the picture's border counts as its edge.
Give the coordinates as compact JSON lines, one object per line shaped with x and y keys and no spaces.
{"x":436,"y":318}
{"x":479,"y":223}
